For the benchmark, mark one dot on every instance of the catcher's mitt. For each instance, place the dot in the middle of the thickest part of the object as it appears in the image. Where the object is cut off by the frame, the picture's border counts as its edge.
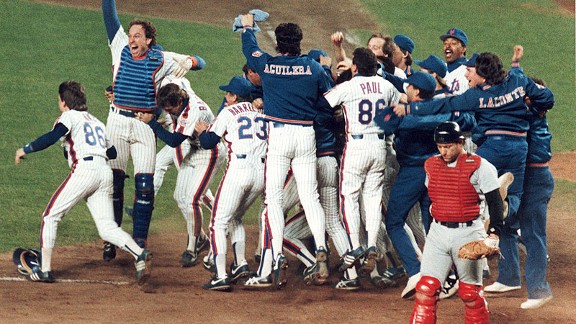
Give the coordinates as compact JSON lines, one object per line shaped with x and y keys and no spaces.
{"x":25,"y":260}
{"x":476,"y":250}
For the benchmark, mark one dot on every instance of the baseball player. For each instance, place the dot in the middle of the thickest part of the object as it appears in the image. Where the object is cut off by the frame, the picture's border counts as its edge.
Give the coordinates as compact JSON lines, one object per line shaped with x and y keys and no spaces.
{"x":199,"y":166}
{"x":138,"y":70}
{"x":472,"y":180}
{"x":87,"y":149}
{"x":454,"y":45}
{"x":402,"y":56}
{"x":364,"y":158}
{"x":244,"y":130}
{"x":538,"y":188}
{"x":297,"y":228}
{"x":292,"y":84}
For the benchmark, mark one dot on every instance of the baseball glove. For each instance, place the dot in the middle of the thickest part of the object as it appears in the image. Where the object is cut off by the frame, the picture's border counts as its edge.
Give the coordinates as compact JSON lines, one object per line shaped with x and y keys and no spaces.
{"x":476,"y":250}
{"x":25,"y":260}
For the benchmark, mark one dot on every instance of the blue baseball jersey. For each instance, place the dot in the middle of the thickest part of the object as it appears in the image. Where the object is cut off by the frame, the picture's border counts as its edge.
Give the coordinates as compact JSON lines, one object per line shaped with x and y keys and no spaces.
{"x":498,"y":107}
{"x":292,"y":84}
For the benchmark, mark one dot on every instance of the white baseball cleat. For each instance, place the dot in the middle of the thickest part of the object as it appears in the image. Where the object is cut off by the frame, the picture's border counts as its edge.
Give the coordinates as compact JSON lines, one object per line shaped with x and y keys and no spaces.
{"x":535,"y":303}
{"x":499,"y":288}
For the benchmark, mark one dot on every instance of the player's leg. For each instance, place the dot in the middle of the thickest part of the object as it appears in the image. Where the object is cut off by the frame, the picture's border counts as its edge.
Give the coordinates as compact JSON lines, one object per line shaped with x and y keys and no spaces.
{"x":117,"y":130}
{"x":143,"y":151}
{"x":351,"y":179}
{"x":295,"y":230}
{"x":76,"y":186}
{"x":164,"y":159}
{"x":538,"y":187}
{"x":406,"y":191}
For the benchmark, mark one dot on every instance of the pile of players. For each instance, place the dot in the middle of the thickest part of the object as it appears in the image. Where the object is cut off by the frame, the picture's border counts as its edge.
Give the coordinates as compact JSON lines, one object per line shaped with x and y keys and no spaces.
{"x":373,"y":153}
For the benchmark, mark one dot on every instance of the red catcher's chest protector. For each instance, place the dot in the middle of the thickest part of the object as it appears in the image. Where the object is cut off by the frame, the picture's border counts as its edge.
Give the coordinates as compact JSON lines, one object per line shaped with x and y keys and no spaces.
{"x":453,"y":197}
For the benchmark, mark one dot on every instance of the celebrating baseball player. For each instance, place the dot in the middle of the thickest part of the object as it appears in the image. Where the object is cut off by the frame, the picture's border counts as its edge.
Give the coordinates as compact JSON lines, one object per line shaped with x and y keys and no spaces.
{"x":138,"y":69}
{"x":364,"y":158}
{"x":538,"y":188}
{"x":88,"y":150}
{"x":244,"y":131}
{"x":199,"y":167}
{"x":454,"y":44}
{"x":292,"y":84}
{"x":458,"y":185}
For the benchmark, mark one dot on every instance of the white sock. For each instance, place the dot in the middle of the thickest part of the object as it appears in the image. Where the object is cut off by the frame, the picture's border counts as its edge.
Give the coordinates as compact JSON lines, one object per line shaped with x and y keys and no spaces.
{"x":221,"y":266}
{"x":46,"y":259}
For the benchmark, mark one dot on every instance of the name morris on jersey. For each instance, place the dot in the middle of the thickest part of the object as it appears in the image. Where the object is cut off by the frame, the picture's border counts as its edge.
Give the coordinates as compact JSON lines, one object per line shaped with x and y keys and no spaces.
{"x":287,"y":69}
{"x":495,"y":102}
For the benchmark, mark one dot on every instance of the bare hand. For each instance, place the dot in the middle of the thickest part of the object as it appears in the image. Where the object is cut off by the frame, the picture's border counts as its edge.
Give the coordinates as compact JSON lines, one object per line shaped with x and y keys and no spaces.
{"x":19,"y":155}
{"x":399,"y":109}
{"x":258,"y":104}
{"x":144,"y":117}
{"x":247,"y":20}
{"x":344,"y":65}
{"x":518,"y":53}
{"x":337,"y":39}
{"x":109,"y":95}
{"x":200,"y":126}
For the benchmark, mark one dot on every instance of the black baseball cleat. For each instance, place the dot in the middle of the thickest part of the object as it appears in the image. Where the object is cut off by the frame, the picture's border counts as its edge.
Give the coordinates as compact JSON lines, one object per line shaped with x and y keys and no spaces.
{"x":239,"y":271}
{"x":280,"y":276}
{"x":188,"y":259}
{"x":39,"y":276}
{"x":203,"y":243}
{"x":108,"y":251}
{"x":143,"y":267}
{"x":218,"y":284}
{"x":350,"y":258}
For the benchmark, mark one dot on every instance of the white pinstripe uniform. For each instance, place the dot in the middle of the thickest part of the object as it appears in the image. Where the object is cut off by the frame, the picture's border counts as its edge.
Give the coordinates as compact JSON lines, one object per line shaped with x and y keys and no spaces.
{"x":90,"y":178}
{"x":129,"y":135}
{"x":364,"y":158}
{"x":297,"y":228}
{"x":199,"y":166}
{"x":456,"y":81}
{"x":244,"y":131}
{"x":168,"y":156}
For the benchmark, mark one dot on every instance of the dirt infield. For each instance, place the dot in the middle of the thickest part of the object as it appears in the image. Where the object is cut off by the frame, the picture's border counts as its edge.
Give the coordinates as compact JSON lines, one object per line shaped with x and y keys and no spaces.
{"x":174,"y":294}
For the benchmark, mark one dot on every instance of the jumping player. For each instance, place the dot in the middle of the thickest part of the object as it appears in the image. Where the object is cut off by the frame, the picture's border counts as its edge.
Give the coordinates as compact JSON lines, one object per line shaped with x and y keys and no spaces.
{"x":90,"y":178}
{"x":244,"y":131}
{"x":199,"y":167}
{"x":458,"y":184}
{"x":293,"y":83}
{"x":138,"y":69}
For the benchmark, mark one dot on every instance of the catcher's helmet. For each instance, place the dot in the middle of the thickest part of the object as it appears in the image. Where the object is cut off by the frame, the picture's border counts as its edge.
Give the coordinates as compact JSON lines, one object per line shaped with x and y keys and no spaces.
{"x":448,"y":132}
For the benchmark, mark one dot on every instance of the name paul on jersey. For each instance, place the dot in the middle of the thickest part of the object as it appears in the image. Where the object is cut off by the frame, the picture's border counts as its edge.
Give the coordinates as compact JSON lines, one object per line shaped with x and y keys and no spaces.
{"x":370,"y":87}
{"x":495,"y":102}
{"x":287,"y":69}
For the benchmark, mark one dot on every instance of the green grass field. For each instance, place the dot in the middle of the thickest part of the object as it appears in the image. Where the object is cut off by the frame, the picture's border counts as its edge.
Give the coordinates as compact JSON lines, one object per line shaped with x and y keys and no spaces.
{"x":44,"y":45}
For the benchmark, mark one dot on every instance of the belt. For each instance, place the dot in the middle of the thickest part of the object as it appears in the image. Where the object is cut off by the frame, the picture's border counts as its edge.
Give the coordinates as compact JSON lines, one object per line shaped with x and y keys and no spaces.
{"x":88,"y":158}
{"x":537,"y":165}
{"x":243,"y":156}
{"x":362,"y":136}
{"x":279,"y":125}
{"x":503,"y":132}
{"x":455,"y":224}
{"x":123,"y":112}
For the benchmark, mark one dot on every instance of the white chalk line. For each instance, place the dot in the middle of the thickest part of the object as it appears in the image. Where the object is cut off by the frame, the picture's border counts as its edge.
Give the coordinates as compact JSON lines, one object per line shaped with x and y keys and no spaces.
{"x":81,"y":281}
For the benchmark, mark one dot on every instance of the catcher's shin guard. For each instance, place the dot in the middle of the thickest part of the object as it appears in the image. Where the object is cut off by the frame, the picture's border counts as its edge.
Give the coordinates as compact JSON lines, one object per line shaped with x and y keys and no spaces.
{"x":427,"y":291}
{"x":475,"y":305}
{"x":118,"y":177}
{"x":143,"y":205}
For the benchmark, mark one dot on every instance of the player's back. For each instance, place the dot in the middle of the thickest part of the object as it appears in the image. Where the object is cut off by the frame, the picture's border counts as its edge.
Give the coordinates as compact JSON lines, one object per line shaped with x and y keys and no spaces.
{"x":86,"y":136}
{"x":243,"y":129}
{"x":361,"y":97}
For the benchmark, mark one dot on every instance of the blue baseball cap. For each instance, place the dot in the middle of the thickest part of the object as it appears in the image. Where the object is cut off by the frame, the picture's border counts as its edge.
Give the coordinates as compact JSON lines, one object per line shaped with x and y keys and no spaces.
{"x":316,"y":53}
{"x":404,"y":42}
{"x":459,"y":34}
{"x":423,"y":81}
{"x":472,"y":61}
{"x":238,"y":86}
{"x":434,"y":64}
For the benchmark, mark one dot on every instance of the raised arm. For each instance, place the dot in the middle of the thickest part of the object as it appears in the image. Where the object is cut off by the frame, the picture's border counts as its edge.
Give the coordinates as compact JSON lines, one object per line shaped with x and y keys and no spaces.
{"x":111,"y":20}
